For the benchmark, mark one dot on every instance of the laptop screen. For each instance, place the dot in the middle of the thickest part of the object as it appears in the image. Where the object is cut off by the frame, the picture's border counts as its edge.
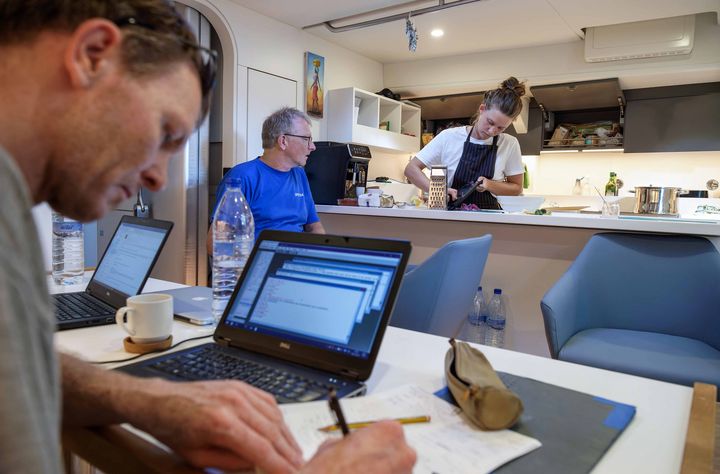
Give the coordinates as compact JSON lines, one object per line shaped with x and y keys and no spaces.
{"x":325,"y":296}
{"x":128,"y":258}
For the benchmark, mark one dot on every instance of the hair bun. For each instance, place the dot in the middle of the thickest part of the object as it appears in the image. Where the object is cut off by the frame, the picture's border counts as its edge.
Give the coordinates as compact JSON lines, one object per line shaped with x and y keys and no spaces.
{"x":514,"y":85}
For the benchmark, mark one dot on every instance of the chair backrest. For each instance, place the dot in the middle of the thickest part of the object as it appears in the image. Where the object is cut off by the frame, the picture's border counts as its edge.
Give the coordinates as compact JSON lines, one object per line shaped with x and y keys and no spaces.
{"x":436,"y":295}
{"x":668,"y":284}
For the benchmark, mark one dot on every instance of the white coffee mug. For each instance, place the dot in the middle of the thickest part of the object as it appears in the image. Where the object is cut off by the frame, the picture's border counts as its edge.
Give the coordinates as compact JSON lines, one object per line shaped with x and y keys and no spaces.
{"x":147,"y":318}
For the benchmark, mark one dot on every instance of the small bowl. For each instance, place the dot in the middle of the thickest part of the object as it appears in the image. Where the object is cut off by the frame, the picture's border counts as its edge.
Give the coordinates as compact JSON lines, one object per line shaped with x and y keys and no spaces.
{"x":520,"y":203}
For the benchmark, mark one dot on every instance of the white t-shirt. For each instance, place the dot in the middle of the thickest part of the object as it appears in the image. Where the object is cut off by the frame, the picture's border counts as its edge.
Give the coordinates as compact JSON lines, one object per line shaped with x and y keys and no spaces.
{"x":447,"y":147}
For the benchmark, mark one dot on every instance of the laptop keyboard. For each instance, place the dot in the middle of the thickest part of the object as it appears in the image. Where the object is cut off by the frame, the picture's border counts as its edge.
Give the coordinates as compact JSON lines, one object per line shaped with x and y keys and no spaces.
{"x":72,"y":306}
{"x":213,"y":363}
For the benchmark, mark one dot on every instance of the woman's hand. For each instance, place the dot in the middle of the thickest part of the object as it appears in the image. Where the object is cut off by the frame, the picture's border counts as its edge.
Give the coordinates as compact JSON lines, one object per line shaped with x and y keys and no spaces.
{"x":452,"y":192}
{"x":481,"y":187}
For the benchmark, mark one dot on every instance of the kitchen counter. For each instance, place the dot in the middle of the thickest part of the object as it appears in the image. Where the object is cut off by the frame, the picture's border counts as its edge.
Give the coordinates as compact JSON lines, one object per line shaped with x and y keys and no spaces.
{"x":687,"y":224}
{"x":528,"y":254}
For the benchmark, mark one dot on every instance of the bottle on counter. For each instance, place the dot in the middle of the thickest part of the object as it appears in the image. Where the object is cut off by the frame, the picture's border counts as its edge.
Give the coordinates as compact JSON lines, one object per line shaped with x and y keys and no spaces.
{"x":68,"y":253}
{"x":496,"y":318}
{"x":611,"y":188}
{"x":233,"y":238}
{"x":577,"y":189}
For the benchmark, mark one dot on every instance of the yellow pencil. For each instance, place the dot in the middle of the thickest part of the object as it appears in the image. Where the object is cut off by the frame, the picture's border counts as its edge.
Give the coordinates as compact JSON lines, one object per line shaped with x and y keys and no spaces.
{"x":362,"y":424}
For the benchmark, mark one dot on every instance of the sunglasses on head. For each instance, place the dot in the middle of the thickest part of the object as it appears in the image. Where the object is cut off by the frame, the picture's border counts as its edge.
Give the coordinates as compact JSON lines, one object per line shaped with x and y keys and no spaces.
{"x":208,"y":57}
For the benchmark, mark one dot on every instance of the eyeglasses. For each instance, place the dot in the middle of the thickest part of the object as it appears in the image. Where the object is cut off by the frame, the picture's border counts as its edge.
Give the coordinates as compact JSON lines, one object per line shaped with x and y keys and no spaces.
{"x":208,"y":57}
{"x":308,"y":139}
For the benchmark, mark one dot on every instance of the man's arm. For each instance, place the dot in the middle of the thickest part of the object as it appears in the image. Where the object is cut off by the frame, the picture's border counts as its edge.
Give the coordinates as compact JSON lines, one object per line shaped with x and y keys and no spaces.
{"x":315,"y":228}
{"x":223,"y":424}
{"x":210,"y":241}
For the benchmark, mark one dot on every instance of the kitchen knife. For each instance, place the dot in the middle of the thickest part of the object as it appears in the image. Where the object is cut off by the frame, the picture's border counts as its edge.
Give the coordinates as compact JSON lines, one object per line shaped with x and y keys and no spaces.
{"x":463,"y":193}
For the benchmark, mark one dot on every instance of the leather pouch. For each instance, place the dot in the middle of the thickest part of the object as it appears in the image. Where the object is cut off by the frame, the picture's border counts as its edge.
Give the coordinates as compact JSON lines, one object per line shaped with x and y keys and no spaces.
{"x":478,"y":390}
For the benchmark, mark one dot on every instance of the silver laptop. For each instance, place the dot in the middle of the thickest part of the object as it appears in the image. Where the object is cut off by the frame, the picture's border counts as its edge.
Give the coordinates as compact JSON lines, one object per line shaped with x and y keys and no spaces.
{"x":192,"y":304}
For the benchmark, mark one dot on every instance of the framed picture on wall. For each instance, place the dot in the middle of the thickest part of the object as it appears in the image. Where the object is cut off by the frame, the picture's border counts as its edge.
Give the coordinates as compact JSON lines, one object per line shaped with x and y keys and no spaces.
{"x":314,"y":84}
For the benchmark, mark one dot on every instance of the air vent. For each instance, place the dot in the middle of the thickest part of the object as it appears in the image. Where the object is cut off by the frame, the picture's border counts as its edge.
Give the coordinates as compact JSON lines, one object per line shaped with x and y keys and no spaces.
{"x":642,"y":39}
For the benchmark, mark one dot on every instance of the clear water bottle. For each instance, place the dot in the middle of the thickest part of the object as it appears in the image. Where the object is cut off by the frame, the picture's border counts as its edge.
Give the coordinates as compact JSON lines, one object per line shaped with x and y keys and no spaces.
{"x":233,"y":239}
{"x":496,"y":317}
{"x":68,"y":253}
{"x":476,"y":315}
{"x":474,"y":328}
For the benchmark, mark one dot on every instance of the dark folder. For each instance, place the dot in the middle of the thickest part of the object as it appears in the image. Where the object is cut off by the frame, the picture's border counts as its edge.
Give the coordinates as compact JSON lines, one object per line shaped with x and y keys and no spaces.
{"x":575,"y":429}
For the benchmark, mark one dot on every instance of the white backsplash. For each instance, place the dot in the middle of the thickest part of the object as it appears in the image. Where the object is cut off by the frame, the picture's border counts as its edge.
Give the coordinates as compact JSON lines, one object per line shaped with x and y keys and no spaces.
{"x":555,"y":173}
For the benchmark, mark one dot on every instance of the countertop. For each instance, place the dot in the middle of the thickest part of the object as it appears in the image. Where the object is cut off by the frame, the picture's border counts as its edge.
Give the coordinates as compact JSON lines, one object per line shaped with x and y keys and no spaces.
{"x":707,"y":225}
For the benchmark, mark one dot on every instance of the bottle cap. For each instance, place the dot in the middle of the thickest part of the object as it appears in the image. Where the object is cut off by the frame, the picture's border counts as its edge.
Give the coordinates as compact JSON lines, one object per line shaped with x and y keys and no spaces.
{"x":233,"y":182}
{"x":498,"y":291}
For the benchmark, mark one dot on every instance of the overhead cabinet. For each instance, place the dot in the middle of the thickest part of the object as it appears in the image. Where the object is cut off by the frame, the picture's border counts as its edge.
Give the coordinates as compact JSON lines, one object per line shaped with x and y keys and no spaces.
{"x":671,"y":119}
{"x":581,"y":115}
{"x":364,"y":118}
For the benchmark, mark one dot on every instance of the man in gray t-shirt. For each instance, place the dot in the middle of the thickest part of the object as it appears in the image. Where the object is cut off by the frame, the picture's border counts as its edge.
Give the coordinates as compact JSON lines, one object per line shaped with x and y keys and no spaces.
{"x":95,"y":97}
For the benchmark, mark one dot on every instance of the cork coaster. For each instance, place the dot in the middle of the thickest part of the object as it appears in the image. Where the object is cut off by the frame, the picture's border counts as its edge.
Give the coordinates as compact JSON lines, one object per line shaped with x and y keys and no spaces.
{"x":142,"y":348}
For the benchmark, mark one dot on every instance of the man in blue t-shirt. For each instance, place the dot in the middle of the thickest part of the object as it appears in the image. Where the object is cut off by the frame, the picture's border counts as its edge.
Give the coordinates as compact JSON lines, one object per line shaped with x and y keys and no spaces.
{"x":275,"y":184}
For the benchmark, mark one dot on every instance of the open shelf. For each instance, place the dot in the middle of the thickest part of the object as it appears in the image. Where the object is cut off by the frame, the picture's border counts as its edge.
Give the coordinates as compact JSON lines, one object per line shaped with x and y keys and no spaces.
{"x":358,"y":116}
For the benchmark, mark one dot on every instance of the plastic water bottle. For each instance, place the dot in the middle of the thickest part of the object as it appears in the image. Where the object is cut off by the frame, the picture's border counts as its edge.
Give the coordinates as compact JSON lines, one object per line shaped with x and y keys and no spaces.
{"x":495,"y":335}
{"x":68,"y":254}
{"x":476,"y":315}
{"x":233,"y":239}
{"x":474,"y":328}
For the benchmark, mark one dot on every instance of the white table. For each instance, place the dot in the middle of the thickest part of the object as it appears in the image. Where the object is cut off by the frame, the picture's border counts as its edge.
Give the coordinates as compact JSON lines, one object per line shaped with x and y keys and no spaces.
{"x":653,"y":442}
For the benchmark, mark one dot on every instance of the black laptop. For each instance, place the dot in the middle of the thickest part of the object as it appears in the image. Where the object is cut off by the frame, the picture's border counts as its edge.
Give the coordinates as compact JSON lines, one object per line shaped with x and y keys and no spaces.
{"x":309,"y":313}
{"x":123,"y":270}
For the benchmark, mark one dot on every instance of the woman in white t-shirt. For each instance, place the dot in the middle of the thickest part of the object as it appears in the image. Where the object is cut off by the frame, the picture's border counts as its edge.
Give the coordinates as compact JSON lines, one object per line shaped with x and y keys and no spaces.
{"x":479,"y":153}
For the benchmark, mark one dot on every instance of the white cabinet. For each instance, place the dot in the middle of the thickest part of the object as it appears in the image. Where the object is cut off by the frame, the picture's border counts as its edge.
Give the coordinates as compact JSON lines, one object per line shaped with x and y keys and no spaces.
{"x":355,"y":116}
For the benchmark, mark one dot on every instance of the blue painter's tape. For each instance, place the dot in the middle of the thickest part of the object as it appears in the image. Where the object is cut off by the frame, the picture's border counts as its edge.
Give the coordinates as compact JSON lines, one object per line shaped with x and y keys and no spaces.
{"x":619,"y":416}
{"x":444,"y":394}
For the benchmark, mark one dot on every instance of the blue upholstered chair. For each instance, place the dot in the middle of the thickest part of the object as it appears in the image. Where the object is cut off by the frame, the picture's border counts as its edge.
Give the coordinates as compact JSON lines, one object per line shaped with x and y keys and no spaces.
{"x":642,"y":304}
{"x":436,"y":295}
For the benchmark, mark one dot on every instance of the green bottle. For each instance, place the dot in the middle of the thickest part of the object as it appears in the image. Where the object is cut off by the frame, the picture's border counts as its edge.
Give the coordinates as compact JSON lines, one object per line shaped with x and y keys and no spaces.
{"x":611,"y":186}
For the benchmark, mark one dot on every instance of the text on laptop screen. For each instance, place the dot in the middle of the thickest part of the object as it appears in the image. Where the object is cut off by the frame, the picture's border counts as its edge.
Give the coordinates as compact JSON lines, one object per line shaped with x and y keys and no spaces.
{"x":128,"y":257}
{"x":318,"y":295}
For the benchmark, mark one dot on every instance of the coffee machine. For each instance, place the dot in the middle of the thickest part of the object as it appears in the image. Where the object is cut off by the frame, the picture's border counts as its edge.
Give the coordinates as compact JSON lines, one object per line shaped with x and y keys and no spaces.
{"x":357,"y":169}
{"x":335,"y":170}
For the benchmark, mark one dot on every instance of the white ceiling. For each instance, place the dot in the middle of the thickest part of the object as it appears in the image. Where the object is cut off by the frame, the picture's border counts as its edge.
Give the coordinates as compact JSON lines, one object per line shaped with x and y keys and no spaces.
{"x":486,"y":25}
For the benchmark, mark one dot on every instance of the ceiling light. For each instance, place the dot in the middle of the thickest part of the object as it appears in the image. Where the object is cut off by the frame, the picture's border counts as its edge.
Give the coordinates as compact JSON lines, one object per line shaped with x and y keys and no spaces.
{"x":437,"y":33}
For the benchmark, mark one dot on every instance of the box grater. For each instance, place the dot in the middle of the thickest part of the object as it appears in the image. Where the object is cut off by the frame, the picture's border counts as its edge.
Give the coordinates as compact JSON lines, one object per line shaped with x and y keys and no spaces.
{"x":437,"y":196}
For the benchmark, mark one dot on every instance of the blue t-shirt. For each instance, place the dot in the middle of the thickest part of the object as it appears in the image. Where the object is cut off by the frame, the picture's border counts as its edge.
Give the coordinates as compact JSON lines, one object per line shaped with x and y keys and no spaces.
{"x":279,"y":200}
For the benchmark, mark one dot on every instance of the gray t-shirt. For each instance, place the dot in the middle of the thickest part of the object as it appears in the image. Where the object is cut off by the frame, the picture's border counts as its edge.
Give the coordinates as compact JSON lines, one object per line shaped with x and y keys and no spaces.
{"x":30,"y":395}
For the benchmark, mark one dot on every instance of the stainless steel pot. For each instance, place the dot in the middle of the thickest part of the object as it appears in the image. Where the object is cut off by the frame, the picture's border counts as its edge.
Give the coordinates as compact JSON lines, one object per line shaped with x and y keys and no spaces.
{"x":656,"y":199}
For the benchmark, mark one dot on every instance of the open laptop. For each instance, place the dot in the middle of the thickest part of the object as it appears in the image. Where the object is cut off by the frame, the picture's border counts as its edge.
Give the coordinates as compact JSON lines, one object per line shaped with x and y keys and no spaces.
{"x":123,"y":270}
{"x":308,"y":313}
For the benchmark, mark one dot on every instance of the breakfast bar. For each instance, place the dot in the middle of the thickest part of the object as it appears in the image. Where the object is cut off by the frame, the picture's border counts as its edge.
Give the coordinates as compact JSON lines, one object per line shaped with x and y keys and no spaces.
{"x":528,"y":255}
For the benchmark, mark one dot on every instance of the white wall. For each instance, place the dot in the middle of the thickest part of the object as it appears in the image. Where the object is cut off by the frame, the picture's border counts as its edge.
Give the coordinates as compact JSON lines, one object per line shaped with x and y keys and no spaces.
{"x":276,"y":48}
{"x":555,"y":64}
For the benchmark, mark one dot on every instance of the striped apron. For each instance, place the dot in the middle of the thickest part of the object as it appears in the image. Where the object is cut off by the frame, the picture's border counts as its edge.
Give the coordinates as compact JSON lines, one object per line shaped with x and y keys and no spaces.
{"x":477,"y":160}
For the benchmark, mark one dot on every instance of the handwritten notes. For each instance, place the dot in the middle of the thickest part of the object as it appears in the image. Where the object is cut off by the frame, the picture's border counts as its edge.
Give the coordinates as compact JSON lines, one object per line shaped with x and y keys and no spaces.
{"x":448,"y":444}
